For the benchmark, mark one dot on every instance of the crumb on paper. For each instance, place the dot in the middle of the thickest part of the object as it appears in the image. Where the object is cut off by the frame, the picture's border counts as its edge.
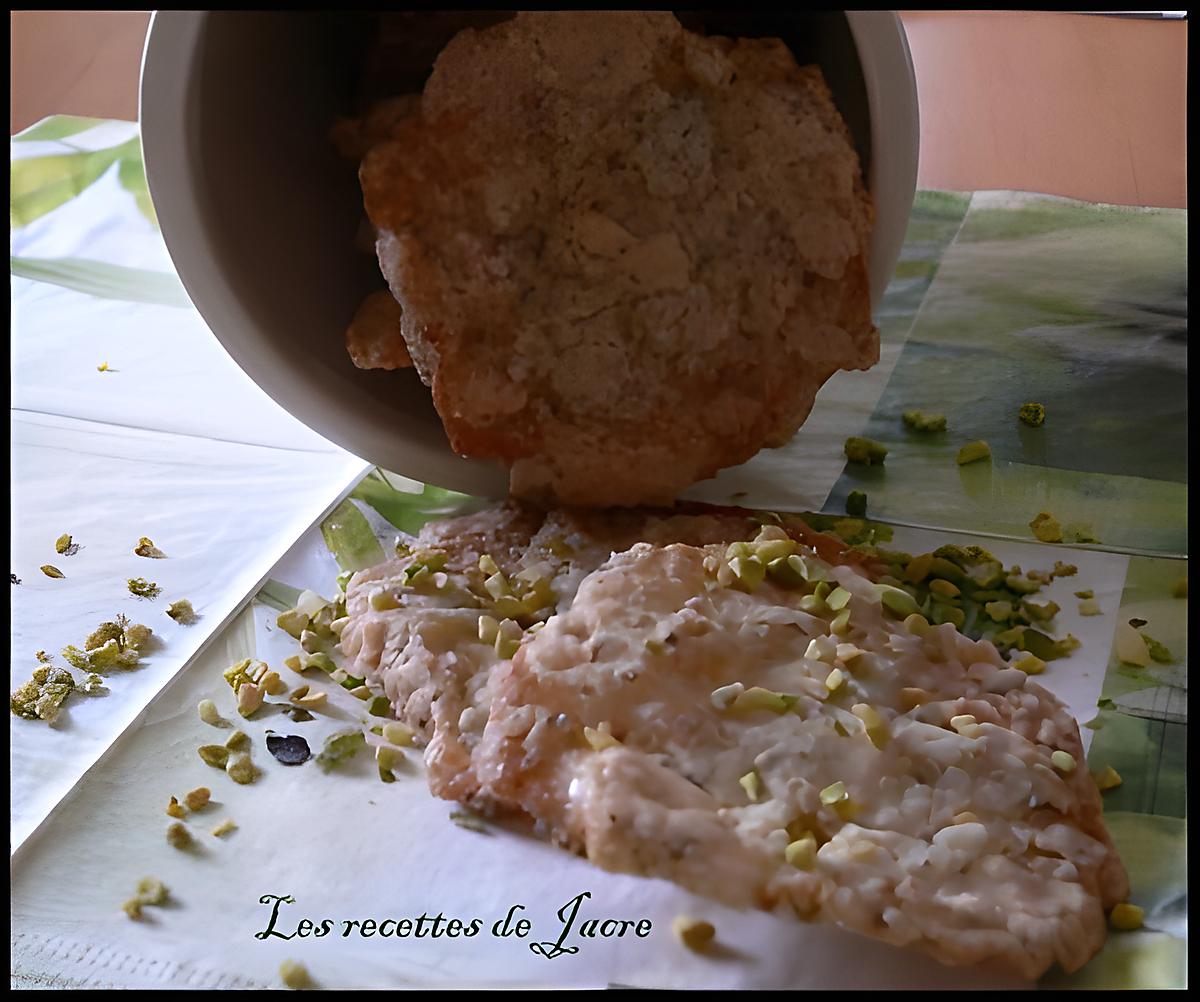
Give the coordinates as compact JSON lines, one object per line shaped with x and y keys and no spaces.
{"x":470,"y":821}
{"x":66,"y":545}
{"x":198,"y":798}
{"x":864,"y":451}
{"x":41,"y":698}
{"x":695,"y":934}
{"x":1033,"y":415}
{"x":142,"y":588}
{"x":922,"y":421}
{"x":51,"y":571}
{"x":973,"y":452}
{"x":182,"y":612}
{"x":178,"y":836}
{"x":341,"y":748}
{"x":224,"y":828}
{"x":146,"y":548}
{"x":294,"y":974}
{"x":1046,"y":528}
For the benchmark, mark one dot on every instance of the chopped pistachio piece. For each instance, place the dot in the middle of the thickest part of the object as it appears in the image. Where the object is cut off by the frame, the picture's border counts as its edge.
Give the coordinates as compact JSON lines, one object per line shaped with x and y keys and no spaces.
{"x":838,"y":599}
{"x":1179,"y":588}
{"x":864,"y":451}
{"x":758,"y":698}
{"x":238,"y":741}
{"x":917,"y":624}
{"x":946,"y":589}
{"x":41,"y":698}
{"x":918,"y":568}
{"x":948,"y":614}
{"x":488,"y":628}
{"x":999,"y":612}
{"x":151,"y":891}
{"x":1085,"y":594}
{"x":320,"y":660}
{"x":856,"y":504}
{"x":379,"y":706}
{"x":497,"y":586}
{"x":398,"y":734}
{"x":1030,"y":664}
{"x":724,"y":696}
{"x":1108,"y":779}
{"x":51,"y":571}
{"x":1157,"y":651}
{"x":182,"y":612}
{"x":178,"y":836}
{"x":175,"y":809}
{"x":294,"y":974}
{"x":840,"y":624}
{"x":293,"y":622}
{"x":146,"y":548}
{"x":695,"y":934}
{"x":973,"y":452}
{"x":1063,"y":761}
{"x":835,"y":679}
{"x":814,"y":605}
{"x":197,"y":798}
{"x":143,"y":588}
{"x":382,"y":600}
{"x":802,"y":853}
{"x":1032,"y":414}
{"x":295,"y":664}
{"x":834,"y":793}
{"x":847,"y":652}
{"x":748,"y":571}
{"x":214,"y":755}
{"x":600,"y":737}
{"x":921,"y":421}
{"x":341,"y":748}
{"x":897,"y":600}
{"x":470,"y":821}
{"x":873,"y":722}
{"x":250,"y":698}
{"x":1089,"y":607}
{"x":244,"y":672}
{"x":752,"y":785}
{"x":508,"y":638}
{"x":66,"y":545}
{"x":241,"y":770}
{"x":787,"y":571}
{"x":132,"y":908}
{"x":273,"y":684}
{"x":224,"y":828}
{"x":308,"y":700}
{"x":1046,"y":528}
{"x":1126,"y":917}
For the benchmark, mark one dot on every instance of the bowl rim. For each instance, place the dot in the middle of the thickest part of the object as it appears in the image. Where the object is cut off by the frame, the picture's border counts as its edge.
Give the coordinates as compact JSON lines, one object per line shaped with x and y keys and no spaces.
{"x":167,"y":104}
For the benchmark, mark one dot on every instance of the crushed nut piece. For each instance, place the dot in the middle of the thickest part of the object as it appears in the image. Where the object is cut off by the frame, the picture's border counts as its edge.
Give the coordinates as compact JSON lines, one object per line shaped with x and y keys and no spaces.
{"x":695,"y":934}
{"x":197,"y":798}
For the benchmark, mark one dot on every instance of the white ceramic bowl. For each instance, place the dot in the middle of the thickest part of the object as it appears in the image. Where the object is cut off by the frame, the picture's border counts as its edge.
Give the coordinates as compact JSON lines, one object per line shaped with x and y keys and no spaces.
{"x":259,"y":213}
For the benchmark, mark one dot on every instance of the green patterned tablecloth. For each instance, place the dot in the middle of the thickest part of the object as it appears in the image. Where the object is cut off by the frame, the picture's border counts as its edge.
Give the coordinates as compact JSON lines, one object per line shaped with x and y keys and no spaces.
{"x":999,"y":299}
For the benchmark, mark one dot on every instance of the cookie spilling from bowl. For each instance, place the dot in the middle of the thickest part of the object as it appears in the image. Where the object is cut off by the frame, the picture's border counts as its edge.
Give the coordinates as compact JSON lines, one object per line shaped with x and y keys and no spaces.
{"x":749,"y":708}
{"x":622,"y":255}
